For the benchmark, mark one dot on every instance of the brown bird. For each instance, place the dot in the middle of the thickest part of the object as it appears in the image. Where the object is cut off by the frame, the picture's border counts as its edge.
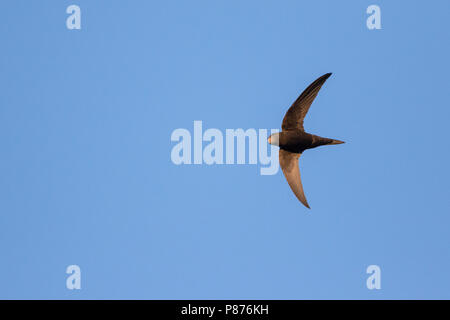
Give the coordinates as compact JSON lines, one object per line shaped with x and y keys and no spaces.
{"x":293,"y":139}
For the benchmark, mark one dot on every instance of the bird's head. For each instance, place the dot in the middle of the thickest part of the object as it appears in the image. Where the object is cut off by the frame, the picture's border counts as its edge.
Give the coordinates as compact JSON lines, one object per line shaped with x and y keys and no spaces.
{"x":274,"y":139}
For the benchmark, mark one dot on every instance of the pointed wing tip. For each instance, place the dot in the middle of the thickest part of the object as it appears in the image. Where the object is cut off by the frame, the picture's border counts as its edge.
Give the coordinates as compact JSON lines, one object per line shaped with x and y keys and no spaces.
{"x":327,"y":75}
{"x":303,"y":200}
{"x":306,"y":204}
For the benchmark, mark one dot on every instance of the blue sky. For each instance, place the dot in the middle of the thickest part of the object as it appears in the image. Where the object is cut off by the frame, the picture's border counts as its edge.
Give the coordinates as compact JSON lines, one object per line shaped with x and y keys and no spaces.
{"x":86,"y":176}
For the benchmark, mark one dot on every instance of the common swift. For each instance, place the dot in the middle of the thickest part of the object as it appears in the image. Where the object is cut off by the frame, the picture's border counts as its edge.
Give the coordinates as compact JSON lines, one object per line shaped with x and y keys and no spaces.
{"x":293,"y":139}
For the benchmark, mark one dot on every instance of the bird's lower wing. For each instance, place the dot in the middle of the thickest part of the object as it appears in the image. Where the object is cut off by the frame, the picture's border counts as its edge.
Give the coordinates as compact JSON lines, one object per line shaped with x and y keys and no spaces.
{"x":289,"y":165}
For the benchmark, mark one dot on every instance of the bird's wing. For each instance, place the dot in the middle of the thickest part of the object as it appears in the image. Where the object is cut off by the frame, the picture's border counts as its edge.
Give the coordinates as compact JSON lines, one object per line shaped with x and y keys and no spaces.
{"x":297,"y":112}
{"x":289,"y":165}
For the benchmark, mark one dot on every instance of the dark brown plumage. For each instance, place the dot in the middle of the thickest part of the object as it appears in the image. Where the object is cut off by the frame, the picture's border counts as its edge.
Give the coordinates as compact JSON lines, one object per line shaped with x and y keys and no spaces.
{"x":293,"y":139}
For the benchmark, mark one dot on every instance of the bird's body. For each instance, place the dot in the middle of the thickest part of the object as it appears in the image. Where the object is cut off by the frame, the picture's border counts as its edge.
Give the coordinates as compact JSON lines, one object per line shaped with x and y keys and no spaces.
{"x":293,"y":140}
{"x":297,"y":141}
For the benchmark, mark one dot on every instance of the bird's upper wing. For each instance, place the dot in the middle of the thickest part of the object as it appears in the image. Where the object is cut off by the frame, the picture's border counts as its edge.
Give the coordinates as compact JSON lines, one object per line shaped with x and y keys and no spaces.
{"x":297,"y":112}
{"x":289,"y":165}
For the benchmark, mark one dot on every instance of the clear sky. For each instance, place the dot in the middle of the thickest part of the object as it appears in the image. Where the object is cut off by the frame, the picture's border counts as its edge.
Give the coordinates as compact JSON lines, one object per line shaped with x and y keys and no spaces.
{"x":87,"y":178}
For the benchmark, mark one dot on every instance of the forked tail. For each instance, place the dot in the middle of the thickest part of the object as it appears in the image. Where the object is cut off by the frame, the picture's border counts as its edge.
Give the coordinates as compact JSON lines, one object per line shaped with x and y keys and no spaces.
{"x":334,"y":141}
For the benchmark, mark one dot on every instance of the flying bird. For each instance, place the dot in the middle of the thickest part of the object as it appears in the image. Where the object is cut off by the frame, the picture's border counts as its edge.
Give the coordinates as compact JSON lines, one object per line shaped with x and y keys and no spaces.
{"x":293,"y":139}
